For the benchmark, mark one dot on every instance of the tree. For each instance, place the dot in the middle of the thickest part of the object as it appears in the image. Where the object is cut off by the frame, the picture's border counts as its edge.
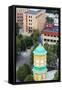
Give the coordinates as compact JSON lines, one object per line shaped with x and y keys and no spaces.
{"x":18,"y":45}
{"x":46,"y":46}
{"x":29,"y":42}
{"x":17,"y":29}
{"x":23,"y":71}
{"x":23,"y":44}
{"x":56,"y":76}
{"x":19,"y":36}
{"x":49,"y":19}
{"x":35,"y":37}
{"x":51,"y":60}
{"x":29,"y":78}
{"x":51,"y":56}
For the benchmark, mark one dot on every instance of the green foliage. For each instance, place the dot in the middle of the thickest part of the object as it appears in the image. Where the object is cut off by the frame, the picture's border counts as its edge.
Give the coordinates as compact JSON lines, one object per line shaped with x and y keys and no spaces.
{"x":19,"y":36}
{"x":29,"y":42}
{"x":18,"y":44}
{"x":49,"y":20}
{"x":23,"y":71}
{"x":35,"y":37}
{"x":17,"y":29}
{"x":51,"y":55}
{"x":29,"y":78}
{"x":23,"y":44}
{"x":56,"y":76}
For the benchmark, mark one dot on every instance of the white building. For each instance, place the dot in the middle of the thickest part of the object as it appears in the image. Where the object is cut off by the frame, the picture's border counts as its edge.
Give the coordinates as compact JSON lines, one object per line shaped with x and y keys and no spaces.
{"x":50,"y":36}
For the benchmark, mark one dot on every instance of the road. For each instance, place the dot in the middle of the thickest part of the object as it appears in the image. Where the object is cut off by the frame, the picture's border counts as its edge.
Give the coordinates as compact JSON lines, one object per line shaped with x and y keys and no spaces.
{"x":23,"y":58}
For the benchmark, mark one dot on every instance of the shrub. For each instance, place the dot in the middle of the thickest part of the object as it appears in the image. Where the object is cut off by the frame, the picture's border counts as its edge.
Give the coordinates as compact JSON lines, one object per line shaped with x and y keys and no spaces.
{"x":23,"y":71}
{"x":29,"y":78}
{"x":56,"y":76}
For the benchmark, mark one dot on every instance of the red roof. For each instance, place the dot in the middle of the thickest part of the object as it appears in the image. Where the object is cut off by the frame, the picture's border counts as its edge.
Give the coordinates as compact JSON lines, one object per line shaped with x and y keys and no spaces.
{"x":50,"y":33}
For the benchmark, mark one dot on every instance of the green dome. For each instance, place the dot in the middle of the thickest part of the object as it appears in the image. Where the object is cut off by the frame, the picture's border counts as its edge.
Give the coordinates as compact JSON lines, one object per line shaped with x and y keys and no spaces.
{"x":39,"y":50}
{"x":39,"y":69}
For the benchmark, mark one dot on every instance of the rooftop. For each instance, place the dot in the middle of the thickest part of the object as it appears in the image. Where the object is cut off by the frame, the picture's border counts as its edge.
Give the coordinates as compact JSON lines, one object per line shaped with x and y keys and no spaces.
{"x":39,"y":50}
{"x":53,"y":29}
{"x":31,"y":12}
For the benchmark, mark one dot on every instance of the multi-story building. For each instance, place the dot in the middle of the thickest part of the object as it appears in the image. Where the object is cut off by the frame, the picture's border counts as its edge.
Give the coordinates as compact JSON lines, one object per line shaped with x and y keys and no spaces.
{"x":34,"y":20}
{"x":50,"y":35}
{"x":41,"y":19}
{"x":29,"y":21}
{"x":19,"y":16}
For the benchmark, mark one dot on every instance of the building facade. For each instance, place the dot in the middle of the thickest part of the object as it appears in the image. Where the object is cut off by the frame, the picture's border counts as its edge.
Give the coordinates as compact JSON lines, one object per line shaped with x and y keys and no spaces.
{"x":34,"y":20}
{"x":19,"y":16}
{"x":50,"y":35}
{"x":29,"y":21}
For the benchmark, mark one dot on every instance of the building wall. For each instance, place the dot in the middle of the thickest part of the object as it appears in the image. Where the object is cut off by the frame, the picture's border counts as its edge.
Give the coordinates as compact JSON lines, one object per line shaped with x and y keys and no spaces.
{"x":50,"y":40}
{"x":34,"y":21}
{"x":19,"y":16}
{"x":41,"y":20}
{"x":30,"y":22}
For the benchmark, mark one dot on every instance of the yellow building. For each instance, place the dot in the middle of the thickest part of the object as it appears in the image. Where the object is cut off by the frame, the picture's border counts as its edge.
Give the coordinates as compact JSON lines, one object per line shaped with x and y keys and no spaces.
{"x":29,"y":21}
{"x":41,"y":19}
{"x":39,"y":62}
{"x":34,"y":20}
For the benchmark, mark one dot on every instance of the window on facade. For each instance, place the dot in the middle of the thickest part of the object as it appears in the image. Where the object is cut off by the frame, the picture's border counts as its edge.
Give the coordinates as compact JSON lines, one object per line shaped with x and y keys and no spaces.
{"x":47,"y":39}
{"x":30,"y":30}
{"x":31,"y":20}
{"x":51,"y":40}
{"x":31,"y":27}
{"x":44,"y":39}
{"x":54,"y":40}
{"x":30,"y":16}
{"x":30,"y":23}
{"x":57,"y":40}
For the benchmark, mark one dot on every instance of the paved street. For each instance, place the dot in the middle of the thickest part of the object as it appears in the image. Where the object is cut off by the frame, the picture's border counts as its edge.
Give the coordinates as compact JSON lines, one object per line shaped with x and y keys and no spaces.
{"x":23,"y":58}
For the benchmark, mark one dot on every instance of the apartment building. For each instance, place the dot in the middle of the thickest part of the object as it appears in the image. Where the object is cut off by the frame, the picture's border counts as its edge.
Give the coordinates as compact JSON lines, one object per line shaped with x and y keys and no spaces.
{"x":50,"y":35}
{"x":19,"y":16}
{"x":30,"y":22}
{"x":41,"y":19}
{"x":34,"y":20}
